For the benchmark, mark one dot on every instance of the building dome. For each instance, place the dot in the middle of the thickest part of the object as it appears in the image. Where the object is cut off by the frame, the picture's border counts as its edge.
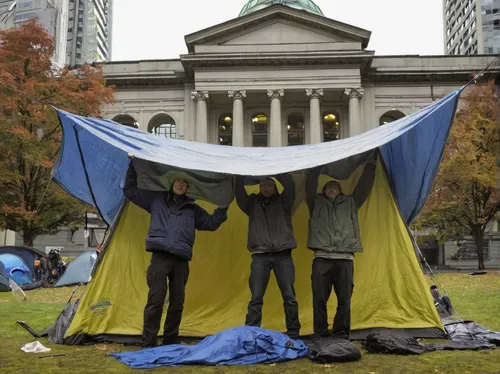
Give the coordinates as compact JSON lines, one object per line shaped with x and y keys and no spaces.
{"x":255,"y":5}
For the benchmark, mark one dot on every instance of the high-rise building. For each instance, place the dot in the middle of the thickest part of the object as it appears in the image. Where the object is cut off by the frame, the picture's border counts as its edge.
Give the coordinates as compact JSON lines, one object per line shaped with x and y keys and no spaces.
{"x":7,"y":9}
{"x":471,"y":27}
{"x":51,"y":14}
{"x":89,"y":31}
{"x":81,"y":28}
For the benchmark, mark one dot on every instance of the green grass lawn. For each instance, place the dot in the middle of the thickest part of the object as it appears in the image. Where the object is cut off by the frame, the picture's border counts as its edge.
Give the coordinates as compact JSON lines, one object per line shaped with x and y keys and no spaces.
{"x":475,"y":297}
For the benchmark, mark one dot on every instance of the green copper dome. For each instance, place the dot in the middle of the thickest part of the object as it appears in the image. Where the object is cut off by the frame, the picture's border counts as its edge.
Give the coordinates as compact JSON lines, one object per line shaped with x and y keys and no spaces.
{"x":255,"y":5}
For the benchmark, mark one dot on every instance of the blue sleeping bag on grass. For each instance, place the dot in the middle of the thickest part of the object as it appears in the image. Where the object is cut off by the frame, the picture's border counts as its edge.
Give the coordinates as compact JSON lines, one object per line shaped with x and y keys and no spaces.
{"x":239,"y":346}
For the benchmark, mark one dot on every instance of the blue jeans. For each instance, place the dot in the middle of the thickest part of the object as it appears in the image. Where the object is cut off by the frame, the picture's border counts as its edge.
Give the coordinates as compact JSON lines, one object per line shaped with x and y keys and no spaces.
{"x":282,"y":265}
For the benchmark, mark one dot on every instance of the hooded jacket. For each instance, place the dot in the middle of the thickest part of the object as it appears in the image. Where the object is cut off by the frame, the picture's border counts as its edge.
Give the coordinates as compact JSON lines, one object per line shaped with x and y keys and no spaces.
{"x":173,"y":221}
{"x":333,"y":224}
{"x":269,"y":219}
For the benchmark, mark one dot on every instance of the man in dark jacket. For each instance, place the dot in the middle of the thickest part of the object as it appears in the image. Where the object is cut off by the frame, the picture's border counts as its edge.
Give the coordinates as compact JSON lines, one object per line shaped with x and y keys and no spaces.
{"x":334,"y":236}
{"x":270,"y":240}
{"x":45,"y":267}
{"x":174,"y":219}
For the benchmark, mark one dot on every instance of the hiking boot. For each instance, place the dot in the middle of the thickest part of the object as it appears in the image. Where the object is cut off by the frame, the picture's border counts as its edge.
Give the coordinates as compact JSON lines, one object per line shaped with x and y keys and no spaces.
{"x":322,"y":335}
{"x":172,"y":341}
{"x":149,"y":343}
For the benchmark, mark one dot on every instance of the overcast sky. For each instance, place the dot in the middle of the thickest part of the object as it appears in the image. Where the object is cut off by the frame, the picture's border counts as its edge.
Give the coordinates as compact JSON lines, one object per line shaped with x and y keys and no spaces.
{"x":155,"y":29}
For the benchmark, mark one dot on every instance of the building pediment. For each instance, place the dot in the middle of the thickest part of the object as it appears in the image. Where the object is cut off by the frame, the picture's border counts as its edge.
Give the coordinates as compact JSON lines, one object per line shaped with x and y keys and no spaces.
{"x":278,"y":25}
{"x":280,"y":31}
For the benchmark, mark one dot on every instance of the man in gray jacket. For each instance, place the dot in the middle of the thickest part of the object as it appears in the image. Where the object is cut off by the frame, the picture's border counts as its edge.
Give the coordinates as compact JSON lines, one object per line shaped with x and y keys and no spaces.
{"x":270,"y":240}
{"x":334,"y":236}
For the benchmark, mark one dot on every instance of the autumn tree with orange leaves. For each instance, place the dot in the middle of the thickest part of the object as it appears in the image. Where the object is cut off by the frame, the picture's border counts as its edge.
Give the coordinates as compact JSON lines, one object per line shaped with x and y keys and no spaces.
{"x":465,"y":197}
{"x":30,"y":135}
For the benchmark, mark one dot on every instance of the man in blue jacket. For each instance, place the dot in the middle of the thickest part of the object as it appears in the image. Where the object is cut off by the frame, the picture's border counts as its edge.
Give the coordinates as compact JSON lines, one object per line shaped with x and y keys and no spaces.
{"x":174,"y":219}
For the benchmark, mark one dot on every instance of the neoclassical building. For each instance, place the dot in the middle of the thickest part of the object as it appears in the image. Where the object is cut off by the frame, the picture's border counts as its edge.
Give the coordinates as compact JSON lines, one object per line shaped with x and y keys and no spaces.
{"x":281,"y":73}
{"x":277,"y":75}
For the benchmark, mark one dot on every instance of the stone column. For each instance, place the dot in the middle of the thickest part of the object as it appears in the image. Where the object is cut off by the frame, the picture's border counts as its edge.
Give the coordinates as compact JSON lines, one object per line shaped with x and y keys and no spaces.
{"x":355,"y":95}
{"x":315,"y":115}
{"x":238,"y":121}
{"x":275,"y":138}
{"x":201,"y":115}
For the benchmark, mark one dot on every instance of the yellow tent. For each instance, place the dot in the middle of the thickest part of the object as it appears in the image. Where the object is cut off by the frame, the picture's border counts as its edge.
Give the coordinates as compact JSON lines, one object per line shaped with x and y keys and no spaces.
{"x":390,"y":290}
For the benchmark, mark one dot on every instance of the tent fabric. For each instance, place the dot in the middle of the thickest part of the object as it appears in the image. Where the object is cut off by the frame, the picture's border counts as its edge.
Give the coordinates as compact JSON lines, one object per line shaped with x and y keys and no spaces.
{"x":4,"y":281}
{"x":470,"y":331}
{"x":390,"y":290}
{"x":28,"y":255}
{"x":79,"y":270}
{"x":239,"y":346}
{"x":16,"y":269}
{"x":94,"y":155}
{"x":20,"y":276}
{"x":413,"y":159}
{"x":215,"y":188}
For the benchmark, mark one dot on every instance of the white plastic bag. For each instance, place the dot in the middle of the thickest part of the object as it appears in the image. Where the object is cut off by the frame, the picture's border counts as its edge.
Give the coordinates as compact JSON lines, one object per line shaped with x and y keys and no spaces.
{"x":16,"y":290}
{"x":35,"y":347}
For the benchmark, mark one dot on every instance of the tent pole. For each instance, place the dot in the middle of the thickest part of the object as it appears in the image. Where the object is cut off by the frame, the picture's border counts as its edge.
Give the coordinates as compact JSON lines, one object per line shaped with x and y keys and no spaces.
{"x":433,"y":275}
{"x":89,"y":185}
{"x":480,"y":74}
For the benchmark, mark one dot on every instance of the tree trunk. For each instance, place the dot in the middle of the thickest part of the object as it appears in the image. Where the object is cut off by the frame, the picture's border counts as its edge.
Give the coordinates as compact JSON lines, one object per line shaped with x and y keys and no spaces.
{"x":478,"y":237}
{"x":28,"y":237}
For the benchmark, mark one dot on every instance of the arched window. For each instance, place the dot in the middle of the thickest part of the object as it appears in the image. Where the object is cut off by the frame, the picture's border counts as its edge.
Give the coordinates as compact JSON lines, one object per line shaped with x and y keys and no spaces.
{"x":260,"y":130}
{"x":163,"y":125}
{"x":391,"y":116}
{"x":295,"y":127}
{"x":225,"y":126}
{"x":126,"y":120}
{"x":331,"y":126}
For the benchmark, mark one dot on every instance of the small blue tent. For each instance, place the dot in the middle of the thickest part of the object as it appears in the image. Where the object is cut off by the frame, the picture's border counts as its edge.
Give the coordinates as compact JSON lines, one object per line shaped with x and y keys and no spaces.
{"x":16,"y":269}
{"x":28,"y":255}
{"x":79,"y":270}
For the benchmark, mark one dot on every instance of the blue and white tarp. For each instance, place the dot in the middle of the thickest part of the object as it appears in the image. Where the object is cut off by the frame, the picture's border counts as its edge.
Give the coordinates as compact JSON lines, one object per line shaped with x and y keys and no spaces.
{"x":411,"y":148}
{"x":239,"y":346}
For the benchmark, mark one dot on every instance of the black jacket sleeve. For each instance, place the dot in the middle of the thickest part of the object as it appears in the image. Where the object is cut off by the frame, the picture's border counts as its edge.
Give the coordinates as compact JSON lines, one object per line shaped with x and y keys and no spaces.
{"x":139,"y":197}
{"x":242,"y":199}
{"x":207,"y":222}
{"x":364,"y":185}
{"x":288,"y":194}
{"x":312,"y":186}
